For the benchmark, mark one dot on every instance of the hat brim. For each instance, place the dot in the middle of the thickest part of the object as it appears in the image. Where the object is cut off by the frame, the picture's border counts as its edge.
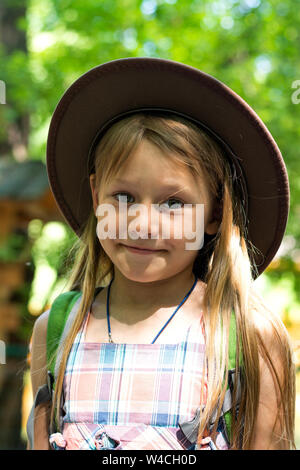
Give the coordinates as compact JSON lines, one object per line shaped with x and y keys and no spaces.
{"x":129,"y":84}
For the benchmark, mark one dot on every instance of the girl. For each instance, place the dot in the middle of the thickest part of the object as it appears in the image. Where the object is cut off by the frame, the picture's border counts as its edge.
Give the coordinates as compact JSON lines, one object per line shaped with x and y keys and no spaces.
{"x":148,"y":349}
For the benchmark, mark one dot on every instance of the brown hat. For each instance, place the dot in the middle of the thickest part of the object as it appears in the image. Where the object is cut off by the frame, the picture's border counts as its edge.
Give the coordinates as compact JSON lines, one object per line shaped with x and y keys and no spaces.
{"x":113,"y":90}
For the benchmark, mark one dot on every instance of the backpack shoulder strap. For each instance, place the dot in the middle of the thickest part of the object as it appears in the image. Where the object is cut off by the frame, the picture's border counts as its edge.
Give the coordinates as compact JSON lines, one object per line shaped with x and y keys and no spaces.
{"x":232,"y":342}
{"x":190,"y":428}
{"x":226,"y":414}
{"x":64,"y":311}
{"x":58,"y":315}
{"x":232,"y":377}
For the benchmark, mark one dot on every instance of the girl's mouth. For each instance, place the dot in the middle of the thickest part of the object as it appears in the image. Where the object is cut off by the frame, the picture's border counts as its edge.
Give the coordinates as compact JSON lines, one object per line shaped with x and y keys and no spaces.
{"x":141,"y":251}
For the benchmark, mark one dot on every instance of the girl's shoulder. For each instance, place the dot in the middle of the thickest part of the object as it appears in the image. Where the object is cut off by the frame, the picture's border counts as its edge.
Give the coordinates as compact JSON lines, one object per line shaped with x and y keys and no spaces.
{"x":38,"y":351}
{"x":269,"y":328}
{"x":264,"y":317}
{"x":41,"y":322}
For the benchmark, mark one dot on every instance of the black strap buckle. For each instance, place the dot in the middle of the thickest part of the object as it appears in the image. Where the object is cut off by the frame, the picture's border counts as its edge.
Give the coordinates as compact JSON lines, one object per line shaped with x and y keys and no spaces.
{"x":50,"y":382}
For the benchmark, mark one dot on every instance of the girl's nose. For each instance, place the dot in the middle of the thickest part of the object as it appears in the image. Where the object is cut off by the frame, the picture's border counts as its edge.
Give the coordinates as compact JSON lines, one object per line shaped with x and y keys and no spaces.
{"x":145,"y":221}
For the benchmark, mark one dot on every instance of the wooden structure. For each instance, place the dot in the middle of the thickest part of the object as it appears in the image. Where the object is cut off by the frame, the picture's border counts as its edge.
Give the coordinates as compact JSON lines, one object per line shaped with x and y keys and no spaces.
{"x":24,"y":195}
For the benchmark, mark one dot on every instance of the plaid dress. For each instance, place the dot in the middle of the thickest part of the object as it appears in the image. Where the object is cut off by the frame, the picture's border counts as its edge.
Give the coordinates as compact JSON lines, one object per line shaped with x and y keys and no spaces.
{"x":132,"y":396}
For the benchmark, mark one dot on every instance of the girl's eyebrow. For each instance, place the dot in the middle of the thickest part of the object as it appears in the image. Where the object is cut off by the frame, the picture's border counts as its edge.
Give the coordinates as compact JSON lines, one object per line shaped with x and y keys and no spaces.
{"x":171,"y":186}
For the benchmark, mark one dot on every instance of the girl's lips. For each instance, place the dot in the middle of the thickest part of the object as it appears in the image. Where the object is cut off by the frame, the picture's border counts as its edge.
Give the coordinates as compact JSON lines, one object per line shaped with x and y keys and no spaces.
{"x":141,"y":251}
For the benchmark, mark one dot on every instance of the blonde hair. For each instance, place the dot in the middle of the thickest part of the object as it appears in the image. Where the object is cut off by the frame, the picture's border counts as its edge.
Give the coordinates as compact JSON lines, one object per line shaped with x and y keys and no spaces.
{"x":223,"y":264}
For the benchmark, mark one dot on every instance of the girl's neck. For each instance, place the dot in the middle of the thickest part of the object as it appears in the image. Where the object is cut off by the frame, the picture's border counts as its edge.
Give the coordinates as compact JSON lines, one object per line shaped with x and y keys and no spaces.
{"x":143,"y":298}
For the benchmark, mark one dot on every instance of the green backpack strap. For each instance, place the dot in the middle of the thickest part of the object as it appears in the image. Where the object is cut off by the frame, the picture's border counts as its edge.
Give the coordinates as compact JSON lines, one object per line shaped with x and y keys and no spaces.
{"x":58,"y":315}
{"x":62,"y":314}
{"x":190,"y":428}
{"x":231,"y":366}
{"x":232,"y":342}
{"x":227,"y":408}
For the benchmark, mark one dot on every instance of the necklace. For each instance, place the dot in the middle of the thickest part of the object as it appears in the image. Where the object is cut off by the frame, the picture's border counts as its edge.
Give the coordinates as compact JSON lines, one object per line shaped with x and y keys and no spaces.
{"x":167,"y":322}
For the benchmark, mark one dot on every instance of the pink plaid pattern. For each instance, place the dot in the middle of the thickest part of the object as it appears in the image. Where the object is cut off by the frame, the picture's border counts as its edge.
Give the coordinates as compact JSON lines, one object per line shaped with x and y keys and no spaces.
{"x":132,"y":396}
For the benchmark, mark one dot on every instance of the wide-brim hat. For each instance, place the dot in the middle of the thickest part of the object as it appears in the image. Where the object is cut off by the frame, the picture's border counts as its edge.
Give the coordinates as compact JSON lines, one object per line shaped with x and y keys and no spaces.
{"x":120,"y":87}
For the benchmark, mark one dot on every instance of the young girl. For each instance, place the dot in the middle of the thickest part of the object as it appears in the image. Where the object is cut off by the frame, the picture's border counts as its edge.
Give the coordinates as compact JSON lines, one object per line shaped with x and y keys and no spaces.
{"x":148,"y":349}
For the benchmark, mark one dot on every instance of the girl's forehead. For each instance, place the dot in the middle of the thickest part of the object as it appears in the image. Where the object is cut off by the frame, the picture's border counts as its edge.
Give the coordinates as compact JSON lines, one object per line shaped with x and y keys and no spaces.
{"x":172,"y":180}
{"x":149,"y":163}
{"x":168,"y":170}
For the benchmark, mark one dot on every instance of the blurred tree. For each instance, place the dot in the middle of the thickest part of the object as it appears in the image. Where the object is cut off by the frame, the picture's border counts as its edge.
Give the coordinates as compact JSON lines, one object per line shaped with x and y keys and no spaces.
{"x":14,"y":71}
{"x":14,"y":136}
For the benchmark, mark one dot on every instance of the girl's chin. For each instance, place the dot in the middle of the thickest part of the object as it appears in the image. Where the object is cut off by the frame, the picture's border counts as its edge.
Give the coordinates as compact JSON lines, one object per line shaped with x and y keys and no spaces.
{"x":142,"y":274}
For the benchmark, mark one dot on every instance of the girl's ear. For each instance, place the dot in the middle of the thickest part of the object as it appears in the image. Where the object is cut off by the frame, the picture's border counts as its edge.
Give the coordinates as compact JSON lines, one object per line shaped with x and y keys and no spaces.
{"x":93,"y":191}
{"x":212,"y":228}
{"x":215,"y":221}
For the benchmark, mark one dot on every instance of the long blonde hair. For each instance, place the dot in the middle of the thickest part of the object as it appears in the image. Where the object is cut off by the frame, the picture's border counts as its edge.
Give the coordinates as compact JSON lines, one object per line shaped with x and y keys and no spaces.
{"x":224,"y":264}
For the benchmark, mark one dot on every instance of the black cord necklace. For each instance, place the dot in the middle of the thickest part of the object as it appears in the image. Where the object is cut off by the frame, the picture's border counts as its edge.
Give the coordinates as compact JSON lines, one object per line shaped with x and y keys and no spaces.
{"x":177,"y":308}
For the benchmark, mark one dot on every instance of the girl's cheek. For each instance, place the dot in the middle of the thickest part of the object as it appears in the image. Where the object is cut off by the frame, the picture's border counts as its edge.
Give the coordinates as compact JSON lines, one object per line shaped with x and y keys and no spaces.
{"x":189,"y":227}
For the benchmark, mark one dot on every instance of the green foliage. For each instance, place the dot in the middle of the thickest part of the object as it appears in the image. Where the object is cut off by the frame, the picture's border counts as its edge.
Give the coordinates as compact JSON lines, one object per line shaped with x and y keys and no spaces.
{"x":250,"y":45}
{"x":14,"y":248}
{"x":47,"y":250}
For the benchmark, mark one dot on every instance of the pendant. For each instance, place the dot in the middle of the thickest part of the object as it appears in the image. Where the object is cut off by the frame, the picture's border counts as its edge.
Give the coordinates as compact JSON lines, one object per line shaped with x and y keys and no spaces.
{"x":110,"y":338}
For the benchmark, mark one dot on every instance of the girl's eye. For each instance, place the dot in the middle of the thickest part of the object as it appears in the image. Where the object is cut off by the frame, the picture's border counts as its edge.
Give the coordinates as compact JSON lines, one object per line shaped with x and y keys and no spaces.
{"x":123,"y":197}
{"x":177,"y":202}
{"x":162,"y":206}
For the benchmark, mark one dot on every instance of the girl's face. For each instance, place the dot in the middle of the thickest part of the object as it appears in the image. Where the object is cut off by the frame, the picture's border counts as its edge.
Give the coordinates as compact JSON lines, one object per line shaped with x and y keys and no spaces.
{"x":150,"y":178}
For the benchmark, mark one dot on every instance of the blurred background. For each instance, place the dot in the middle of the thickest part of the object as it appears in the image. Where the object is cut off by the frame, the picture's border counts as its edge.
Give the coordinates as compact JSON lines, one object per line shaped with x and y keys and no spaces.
{"x":251,"y":45}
